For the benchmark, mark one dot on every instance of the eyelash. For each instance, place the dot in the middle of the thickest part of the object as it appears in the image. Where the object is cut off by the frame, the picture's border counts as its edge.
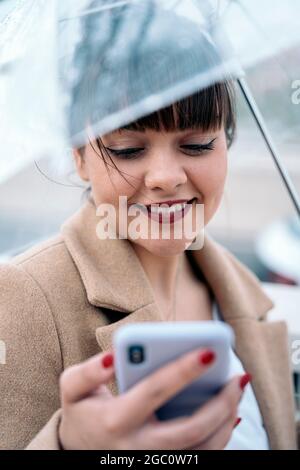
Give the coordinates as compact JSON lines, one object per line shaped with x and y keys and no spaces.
{"x":132,"y":152}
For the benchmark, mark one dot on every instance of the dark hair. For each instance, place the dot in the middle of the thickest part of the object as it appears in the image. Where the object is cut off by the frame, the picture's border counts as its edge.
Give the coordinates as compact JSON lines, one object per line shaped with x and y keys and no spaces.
{"x":207,"y":109}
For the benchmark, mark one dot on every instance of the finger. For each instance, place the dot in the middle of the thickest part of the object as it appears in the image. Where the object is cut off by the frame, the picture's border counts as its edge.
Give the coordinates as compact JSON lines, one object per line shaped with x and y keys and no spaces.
{"x":219,"y":439}
{"x":139,"y":402}
{"x":82,"y":379}
{"x":184,"y":432}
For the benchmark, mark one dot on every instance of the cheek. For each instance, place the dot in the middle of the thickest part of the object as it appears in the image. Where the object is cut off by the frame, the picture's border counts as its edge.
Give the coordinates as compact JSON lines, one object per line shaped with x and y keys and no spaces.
{"x":209,"y":175}
{"x":216,"y":176}
{"x":209,"y":178}
{"x":108,"y":184}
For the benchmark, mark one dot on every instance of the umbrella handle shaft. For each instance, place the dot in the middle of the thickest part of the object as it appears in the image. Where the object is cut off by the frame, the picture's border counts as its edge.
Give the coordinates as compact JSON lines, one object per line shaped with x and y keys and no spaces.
{"x":269,"y":142}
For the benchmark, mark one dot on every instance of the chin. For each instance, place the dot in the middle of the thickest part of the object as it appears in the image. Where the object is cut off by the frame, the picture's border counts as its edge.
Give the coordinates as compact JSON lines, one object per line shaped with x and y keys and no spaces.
{"x":163,"y":248}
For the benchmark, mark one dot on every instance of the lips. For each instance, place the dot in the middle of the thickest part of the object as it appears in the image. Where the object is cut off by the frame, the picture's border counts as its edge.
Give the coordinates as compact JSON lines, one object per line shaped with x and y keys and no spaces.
{"x":167,"y":211}
{"x":169,"y":206}
{"x":171,"y":203}
{"x":169,"y":214}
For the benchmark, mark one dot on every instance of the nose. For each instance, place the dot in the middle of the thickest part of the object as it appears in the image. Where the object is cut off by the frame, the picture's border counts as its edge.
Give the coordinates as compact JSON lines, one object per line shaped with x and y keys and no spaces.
{"x":165,"y":173}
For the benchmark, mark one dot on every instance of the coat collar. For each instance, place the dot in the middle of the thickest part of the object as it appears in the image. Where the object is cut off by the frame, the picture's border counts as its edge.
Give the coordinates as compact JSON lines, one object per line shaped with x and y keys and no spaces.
{"x":114,"y":278}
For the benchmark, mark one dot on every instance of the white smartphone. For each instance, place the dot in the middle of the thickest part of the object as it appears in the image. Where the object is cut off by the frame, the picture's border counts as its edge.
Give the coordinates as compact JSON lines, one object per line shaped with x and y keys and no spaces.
{"x":141,"y":348}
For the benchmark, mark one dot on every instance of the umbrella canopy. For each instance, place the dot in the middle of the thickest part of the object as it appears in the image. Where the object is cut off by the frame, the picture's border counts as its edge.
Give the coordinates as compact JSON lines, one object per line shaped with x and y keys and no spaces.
{"x":100,"y":64}
{"x":75,"y":70}
{"x":135,"y":57}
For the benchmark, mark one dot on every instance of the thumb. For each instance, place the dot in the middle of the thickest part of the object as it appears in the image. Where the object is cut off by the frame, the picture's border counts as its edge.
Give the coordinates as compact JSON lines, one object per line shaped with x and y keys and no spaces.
{"x":81,"y":380}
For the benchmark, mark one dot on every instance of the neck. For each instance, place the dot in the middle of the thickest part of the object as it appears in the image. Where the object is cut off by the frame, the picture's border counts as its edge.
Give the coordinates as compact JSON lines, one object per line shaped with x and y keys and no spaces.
{"x":165,"y":273}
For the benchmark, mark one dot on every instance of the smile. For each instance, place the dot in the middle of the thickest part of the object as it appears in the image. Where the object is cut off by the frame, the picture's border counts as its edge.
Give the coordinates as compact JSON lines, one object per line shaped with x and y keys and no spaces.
{"x":166,"y":213}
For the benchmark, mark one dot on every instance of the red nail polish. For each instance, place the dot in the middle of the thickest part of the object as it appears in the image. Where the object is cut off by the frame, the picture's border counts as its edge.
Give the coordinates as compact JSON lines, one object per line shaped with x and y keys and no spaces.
{"x":108,"y":360}
{"x":207,"y":357}
{"x":244,"y":380}
{"x":237,"y":422}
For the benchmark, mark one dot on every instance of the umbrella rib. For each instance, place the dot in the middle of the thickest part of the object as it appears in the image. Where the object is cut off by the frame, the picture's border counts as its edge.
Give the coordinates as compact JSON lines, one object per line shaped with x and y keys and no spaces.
{"x":269,"y":142}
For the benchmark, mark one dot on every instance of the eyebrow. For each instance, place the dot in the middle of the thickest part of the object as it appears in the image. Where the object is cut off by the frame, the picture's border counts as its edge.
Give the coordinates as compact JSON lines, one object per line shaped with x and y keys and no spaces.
{"x":142,"y":131}
{"x":126,"y":128}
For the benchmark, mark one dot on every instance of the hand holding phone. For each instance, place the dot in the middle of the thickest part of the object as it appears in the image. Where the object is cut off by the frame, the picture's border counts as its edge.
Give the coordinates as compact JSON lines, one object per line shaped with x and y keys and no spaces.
{"x":141,"y":348}
{"x":92,"y":418}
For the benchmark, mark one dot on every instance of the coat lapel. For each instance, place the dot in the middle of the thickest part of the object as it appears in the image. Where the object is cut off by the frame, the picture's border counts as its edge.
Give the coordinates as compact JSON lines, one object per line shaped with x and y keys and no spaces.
{"x":114,"y":278}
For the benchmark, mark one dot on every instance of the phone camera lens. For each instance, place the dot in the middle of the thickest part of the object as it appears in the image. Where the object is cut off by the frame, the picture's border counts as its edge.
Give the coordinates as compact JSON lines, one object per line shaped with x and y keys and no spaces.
{"x":136,"y":354}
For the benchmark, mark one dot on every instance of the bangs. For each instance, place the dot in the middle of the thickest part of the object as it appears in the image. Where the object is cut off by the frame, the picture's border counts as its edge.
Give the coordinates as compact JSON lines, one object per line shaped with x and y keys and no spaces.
{"x":207,"y":110}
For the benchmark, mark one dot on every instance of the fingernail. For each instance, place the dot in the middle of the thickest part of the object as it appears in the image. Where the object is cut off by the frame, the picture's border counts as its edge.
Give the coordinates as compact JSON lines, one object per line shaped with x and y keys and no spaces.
{"x":244,"y":380}
{"x":237,"y":422}
{"x":206,"y":357}
{"x":108,"y":360}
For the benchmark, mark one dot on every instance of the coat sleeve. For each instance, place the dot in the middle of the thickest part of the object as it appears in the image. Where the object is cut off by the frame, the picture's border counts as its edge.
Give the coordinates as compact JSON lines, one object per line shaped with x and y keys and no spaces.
{"x":30,"y":364}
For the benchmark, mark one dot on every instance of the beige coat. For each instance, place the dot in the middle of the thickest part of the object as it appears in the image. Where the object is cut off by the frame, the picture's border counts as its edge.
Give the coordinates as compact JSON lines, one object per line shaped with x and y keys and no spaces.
{"x":62,"y":300}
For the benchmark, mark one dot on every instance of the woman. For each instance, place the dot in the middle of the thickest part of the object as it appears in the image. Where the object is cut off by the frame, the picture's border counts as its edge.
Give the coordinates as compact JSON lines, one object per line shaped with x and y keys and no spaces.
{"x":62,"y":300}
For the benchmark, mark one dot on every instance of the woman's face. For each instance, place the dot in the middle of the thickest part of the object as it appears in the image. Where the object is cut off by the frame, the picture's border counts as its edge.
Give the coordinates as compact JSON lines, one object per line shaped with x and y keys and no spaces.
{"x":158,"y":166}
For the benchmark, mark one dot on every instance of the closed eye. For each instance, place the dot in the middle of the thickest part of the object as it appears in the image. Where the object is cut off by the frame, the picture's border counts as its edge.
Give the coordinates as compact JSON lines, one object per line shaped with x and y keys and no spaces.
{"x":197,"y":149}
{"x":126,"y":153}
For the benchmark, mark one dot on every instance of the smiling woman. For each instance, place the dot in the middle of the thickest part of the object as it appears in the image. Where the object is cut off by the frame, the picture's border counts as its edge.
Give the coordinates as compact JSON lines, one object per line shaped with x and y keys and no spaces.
{"x":180,"y":155}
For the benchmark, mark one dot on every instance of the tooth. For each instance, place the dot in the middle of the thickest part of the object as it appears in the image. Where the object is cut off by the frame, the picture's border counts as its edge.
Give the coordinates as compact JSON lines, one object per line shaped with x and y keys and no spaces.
{"x":154,"y":208}
{"x":167,"y":210}
{"x":179,"y":207}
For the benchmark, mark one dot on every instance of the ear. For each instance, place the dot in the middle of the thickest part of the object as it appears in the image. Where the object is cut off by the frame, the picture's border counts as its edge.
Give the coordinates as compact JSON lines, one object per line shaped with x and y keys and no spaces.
{"x":80,"y":164}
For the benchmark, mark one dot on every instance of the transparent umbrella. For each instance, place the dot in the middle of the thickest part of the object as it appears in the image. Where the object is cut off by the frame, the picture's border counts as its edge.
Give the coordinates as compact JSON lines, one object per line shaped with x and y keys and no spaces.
{"x":74,"y":71}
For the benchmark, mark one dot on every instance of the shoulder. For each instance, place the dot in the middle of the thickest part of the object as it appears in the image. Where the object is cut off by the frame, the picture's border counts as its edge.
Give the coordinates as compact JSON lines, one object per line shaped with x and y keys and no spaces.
{"x":19,"y":276}
{"x":47,"y":266}
{"x":27,"y":325}
{"x":33,"y":283}
{"x":51,"y":250}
